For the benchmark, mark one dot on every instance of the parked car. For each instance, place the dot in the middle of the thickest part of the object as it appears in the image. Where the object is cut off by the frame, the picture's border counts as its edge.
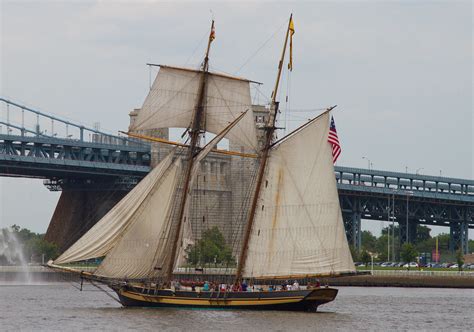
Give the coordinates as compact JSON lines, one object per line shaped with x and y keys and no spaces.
{"x":411,"y":264}
{"x":454,"y":266}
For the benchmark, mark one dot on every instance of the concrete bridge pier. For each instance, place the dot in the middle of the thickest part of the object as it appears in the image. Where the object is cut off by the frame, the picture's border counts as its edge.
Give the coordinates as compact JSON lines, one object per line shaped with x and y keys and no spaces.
{"x":77,"y":211}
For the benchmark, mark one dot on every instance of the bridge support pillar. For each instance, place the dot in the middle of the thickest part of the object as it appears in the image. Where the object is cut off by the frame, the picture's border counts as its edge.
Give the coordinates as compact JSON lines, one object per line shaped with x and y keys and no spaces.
{"x":352,"y":224}
{"x":409,"y":236}
{"x":459,"y":237}
{"x":76,"y":212}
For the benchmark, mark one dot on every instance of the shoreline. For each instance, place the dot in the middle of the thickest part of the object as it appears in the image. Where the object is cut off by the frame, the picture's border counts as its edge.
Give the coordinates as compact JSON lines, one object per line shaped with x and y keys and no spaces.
{"x":426,"y":279}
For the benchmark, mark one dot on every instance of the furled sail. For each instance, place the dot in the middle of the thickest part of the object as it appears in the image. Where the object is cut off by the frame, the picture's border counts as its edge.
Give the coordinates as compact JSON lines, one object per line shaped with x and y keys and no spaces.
{"x":100,"y":239}
{"x":173,"y":98}
{"x":136,"y":254}
{"x":298,"y":228}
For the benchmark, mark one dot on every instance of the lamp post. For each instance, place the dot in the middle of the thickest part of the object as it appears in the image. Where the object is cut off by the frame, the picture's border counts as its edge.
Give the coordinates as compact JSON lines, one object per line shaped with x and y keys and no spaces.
{"x":408,"y":193}
{"x":368,"y":162}
{"x":388,"y":230}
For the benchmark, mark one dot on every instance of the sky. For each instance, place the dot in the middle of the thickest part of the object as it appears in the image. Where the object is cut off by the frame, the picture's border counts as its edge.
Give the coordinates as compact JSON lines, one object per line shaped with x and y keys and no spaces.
{"x":399,"y":71}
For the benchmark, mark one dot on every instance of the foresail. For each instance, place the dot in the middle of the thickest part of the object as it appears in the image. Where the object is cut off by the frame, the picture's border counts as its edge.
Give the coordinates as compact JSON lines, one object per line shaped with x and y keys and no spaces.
{"x":100,"y":239}
{"x":298,"y":228}
{"x":173,"y":98}
{"x":136,"y":254}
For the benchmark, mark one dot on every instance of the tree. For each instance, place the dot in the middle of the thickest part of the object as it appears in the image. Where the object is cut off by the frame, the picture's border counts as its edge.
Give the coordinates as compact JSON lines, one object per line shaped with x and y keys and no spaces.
{"x":459,"y":259}
{"x":211,"y":248}
{"x":365,"y":257}
{"x":408,"y":252}
{"x":354,"y":253}
{"x":368,"y":241}
{"x":37,"y":247}
{"x":422,"y":233}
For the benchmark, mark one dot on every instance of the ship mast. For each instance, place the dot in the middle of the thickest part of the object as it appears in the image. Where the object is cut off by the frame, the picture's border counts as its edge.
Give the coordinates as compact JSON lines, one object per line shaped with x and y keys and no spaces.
{"x":194,"y":133}
{"x":270,"y":130}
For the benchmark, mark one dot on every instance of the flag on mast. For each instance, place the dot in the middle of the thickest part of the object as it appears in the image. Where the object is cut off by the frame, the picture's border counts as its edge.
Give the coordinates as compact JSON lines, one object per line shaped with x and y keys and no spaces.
{"x":334,"y":140}
{"x":212,"y":36}
{"x":292,"y":32}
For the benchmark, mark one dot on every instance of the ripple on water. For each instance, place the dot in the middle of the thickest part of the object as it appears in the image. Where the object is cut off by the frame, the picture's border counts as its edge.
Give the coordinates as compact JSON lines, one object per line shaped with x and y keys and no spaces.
{"x":61,"y":307}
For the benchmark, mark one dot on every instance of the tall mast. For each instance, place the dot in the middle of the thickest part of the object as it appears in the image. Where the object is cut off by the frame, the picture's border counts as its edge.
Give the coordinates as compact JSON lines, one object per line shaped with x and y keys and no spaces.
{"x":270,"y":130}
{"x":194,"y":133}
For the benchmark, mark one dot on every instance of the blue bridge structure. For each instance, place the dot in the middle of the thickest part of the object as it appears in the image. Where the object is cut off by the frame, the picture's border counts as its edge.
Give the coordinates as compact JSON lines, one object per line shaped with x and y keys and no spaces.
{"x":89,"y":165}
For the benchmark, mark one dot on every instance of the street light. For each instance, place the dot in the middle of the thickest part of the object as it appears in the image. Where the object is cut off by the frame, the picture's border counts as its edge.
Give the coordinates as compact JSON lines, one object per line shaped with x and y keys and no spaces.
{"x":368,"y":162}
{"x":408,"y":193}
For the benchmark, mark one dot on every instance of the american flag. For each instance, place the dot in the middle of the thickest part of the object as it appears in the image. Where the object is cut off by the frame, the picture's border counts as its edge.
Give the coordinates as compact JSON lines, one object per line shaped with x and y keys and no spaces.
{"x":334,"y":141}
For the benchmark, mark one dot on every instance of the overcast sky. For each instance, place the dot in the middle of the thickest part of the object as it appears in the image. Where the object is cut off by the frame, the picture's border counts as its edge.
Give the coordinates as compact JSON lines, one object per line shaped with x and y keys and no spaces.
{"x":400,"y":72}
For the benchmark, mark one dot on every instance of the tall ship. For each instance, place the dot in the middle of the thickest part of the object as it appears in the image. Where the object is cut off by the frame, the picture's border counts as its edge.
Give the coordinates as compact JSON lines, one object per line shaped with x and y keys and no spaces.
{"x":164,"y":244}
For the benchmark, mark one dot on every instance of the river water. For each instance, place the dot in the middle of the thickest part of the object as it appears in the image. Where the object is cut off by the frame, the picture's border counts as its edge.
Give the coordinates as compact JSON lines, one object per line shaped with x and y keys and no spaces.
{"x":60,"y":307}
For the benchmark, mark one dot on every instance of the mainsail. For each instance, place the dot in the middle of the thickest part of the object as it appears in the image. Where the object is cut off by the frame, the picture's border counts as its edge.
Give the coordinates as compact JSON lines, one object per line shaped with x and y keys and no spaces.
{"x":103,"y":236}
{"x":173,"y":98}
{"x":298,"y":228}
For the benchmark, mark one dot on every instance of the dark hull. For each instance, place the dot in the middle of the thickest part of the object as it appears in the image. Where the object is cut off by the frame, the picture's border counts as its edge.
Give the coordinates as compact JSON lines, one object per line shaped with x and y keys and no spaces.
{"x":299,"y":300}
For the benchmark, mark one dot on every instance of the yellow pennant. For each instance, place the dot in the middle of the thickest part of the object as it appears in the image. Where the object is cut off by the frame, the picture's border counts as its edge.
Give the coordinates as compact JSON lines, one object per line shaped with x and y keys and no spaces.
{"x":292,"y":32}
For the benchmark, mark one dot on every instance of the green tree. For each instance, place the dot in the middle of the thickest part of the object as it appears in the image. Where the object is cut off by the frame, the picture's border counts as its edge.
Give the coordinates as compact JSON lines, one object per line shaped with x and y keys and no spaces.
{"x":354,"y":253}
{"x":408,"y":252}
{"x":368,"y":240}
{"x":211,"y":248}
{"x":365,"y":257}
{"x":459,"y":259}
{"x":38,"y":246}
{"x":422,"y":233}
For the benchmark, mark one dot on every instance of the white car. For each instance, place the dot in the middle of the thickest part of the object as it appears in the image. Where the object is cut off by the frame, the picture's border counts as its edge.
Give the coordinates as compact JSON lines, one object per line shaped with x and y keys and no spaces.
{"x":411,"y":264}
{"x":454,"y":266}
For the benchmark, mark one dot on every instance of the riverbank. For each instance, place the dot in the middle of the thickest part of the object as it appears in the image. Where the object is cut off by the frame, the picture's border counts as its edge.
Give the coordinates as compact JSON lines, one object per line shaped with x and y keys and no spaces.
{"x":376,"y":278}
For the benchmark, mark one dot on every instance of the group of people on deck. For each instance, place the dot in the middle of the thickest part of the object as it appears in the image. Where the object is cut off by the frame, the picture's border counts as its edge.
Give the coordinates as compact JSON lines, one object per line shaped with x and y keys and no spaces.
{"x":243,"y":287}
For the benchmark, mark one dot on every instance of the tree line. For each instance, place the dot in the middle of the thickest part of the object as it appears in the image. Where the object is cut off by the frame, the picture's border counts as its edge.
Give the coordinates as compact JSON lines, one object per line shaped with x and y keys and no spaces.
{"x":33,"y":247}
{"x":423,"y":243}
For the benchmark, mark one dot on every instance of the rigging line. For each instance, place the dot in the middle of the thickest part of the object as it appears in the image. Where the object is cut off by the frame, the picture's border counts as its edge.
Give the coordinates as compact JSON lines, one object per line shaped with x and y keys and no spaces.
{"x":268,"y":99}
{"x":197,"y":46}
{"x":261,"y":47}
{"x":248,"y":139}
{"x":105,"y":291}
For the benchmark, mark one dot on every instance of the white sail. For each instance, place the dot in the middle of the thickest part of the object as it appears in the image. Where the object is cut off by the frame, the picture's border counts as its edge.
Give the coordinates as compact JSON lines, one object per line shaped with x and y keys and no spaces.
{"x":136,"y":253}
{"x":173,"y":98}
{"x":298,"y":228}
{"x":100,"y":239}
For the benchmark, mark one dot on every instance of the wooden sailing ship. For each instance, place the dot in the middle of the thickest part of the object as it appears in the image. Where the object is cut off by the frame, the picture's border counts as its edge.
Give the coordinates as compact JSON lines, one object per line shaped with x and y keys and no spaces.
{"x":292,"y":224}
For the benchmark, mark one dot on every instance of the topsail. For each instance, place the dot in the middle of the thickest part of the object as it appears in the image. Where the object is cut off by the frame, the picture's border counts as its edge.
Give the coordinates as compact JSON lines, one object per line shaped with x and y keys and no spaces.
{"x":173,"y":97}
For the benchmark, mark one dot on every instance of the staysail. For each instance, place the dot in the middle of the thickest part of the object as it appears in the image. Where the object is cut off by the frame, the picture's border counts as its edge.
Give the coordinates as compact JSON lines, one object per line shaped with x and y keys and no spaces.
{"x":173,"y":98}
{"x":298,"y":228}
{"x":100,"y":239}
{"x":137,"y":253}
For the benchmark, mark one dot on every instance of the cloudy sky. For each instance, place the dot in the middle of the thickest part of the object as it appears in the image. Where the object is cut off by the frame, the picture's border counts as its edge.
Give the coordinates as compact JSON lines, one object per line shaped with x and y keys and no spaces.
{"x":400,"y":72}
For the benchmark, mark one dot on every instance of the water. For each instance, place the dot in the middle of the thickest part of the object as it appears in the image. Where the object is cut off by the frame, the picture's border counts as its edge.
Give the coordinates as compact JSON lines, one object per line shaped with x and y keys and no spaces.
{"x":60,"y":307}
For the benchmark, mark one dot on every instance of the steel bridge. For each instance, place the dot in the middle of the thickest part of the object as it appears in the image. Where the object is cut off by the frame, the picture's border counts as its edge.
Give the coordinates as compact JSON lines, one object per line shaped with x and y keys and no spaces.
{"x":75,"y":157}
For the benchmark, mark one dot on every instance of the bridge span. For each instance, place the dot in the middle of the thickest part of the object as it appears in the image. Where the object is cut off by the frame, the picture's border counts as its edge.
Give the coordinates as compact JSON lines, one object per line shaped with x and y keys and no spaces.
{"x":95,"y":169}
